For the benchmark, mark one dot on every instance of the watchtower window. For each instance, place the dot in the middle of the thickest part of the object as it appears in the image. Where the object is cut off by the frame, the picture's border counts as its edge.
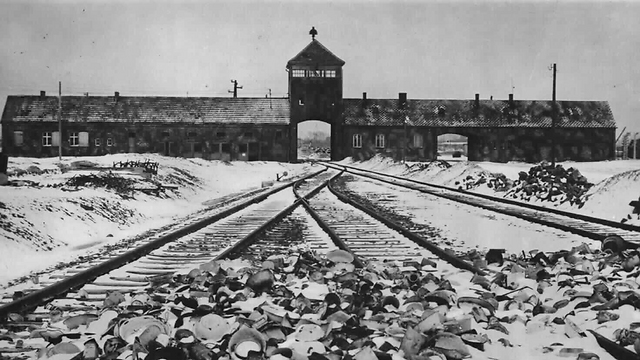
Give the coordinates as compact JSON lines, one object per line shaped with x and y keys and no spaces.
{"x":314,"y":73}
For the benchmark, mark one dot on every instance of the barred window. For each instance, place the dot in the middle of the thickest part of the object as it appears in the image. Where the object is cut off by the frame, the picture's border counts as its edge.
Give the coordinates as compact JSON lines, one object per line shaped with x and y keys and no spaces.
{"x":74,"y":139}
{"x":47,"y":139}
{"x":380,"y":141}
{"x":357,"y":141}
{"x":297,"y":73}
{"x":330,"y":73}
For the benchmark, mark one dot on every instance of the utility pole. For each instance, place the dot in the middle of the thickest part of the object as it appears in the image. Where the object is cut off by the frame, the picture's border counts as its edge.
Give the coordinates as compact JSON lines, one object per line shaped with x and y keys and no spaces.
{"x":553,"y":119}
{"x":404,"y":140}
{"x":235,"y":88}
{"x":60,"y":120}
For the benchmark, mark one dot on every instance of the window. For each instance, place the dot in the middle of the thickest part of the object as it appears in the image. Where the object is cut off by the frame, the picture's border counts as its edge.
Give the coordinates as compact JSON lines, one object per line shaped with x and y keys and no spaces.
{"x":192,"y":134}
{"x":248,"y":134}
{"x":109,"y":142}
{"x":74,"y":139}
{"x":221,"y":134}
{"x":55,"y":141}
{"x":97,"y":142}
{"x":298,"y":73}
{"x":84,"y":138}
{"x":47,"y":139}
{"x":380,"y":141}
{"x":18,"y":138}
{"x":357,"y":141}
{"x":330,"y":73}
{"x":278,"y":134}
{"x":418,"y":141}
{"x":314,"y":73}
{"x":301,"y":101}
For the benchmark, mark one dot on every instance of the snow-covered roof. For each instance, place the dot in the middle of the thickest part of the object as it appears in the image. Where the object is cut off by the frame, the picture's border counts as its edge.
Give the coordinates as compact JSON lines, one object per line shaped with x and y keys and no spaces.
{"x":147,"y":109}
{"x":315,"y":54}
{"x":487,"y":113}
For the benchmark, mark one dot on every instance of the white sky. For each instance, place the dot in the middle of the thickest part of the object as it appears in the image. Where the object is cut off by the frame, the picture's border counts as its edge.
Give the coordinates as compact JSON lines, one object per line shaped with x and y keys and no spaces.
{"x":431,"y":50}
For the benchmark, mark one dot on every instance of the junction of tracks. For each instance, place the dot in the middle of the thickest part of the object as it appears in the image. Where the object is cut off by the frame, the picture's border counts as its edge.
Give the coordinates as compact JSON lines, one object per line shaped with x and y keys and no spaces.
{"x":488,"y":304}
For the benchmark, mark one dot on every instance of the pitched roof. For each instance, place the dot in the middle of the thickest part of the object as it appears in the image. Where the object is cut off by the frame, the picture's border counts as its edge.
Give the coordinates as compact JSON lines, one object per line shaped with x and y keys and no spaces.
{"x":314,"y":54}
{"x":148,"y":109}
{"x":489,"y":113}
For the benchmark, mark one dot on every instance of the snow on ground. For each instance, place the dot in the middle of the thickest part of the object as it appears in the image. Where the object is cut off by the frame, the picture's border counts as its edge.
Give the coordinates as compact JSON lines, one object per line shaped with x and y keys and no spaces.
{"x":42,"y":225}
{"x":616,"y":183}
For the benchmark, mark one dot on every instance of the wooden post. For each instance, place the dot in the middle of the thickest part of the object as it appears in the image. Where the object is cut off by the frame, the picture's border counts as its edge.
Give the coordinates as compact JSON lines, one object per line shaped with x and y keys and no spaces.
{"x":60,"y":120}
{"x":553,"y":119}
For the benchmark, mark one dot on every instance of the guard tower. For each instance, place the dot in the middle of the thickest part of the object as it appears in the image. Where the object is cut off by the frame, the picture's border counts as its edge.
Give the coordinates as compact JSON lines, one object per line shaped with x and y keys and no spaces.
{"x":315,"y":92}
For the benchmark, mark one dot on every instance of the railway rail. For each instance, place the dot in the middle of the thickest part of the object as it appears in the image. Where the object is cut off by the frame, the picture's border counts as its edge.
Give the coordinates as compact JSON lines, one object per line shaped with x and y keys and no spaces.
{"x":270,"y":223}
{"x":215,"y":237}
{"x":583,"y":225}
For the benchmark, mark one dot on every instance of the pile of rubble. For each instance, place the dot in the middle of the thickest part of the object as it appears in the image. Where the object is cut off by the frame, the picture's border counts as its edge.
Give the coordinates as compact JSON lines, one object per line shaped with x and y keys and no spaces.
{"x":314,"y":307}
{"x":497,"y":182}
{"x":106,"y":180}
{"x":545,"y":182}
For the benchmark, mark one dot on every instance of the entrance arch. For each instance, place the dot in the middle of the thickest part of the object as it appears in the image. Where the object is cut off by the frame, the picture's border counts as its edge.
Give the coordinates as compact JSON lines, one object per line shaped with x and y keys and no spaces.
{"x":313,"y":140}
{"x":452,"y":147}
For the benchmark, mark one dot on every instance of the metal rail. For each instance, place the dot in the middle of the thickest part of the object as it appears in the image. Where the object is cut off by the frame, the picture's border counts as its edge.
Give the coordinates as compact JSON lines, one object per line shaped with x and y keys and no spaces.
{"x":81,"y":278}
{"x":453,"y":260}
{"x":467,"y":197}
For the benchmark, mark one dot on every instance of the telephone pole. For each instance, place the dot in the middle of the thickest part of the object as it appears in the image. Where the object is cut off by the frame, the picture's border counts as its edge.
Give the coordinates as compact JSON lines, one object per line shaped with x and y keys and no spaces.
{"x":235,"y":88}
{"x":553,"y":119}
{"x":59,"y":120}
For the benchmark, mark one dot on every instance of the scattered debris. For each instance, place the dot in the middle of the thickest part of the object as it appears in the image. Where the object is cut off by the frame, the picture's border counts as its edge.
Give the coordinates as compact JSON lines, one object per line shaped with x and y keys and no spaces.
{"x":544,"y":182}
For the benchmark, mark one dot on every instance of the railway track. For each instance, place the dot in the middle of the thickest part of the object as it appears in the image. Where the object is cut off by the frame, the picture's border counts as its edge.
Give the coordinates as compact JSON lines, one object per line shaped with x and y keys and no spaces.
{"x":583,"y":225}
{"x":267,"y":221}
{"x":274,"y":223}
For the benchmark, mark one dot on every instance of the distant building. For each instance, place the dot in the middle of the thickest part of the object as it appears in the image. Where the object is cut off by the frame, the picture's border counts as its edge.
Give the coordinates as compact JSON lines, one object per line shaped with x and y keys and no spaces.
{"x":267,"y":129}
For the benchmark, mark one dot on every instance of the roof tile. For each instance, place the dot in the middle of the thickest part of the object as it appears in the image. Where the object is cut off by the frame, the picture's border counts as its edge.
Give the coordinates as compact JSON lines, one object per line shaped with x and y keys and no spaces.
{"x":488,"y":113}
{"x":149,"y":109}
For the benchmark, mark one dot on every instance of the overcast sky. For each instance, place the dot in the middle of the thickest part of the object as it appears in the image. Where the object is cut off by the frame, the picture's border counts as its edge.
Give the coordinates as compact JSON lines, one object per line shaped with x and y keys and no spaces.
{"x":430,"y":50}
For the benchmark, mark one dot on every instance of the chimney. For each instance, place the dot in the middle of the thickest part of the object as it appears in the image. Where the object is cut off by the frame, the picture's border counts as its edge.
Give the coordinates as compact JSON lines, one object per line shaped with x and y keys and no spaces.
{"x":364,"y":96}
{"x":43,"y":93}
{"x":116,"y":95}
{"x":510,"y":98}
{"x":402,"y":99}
{"x":477,"y":103}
